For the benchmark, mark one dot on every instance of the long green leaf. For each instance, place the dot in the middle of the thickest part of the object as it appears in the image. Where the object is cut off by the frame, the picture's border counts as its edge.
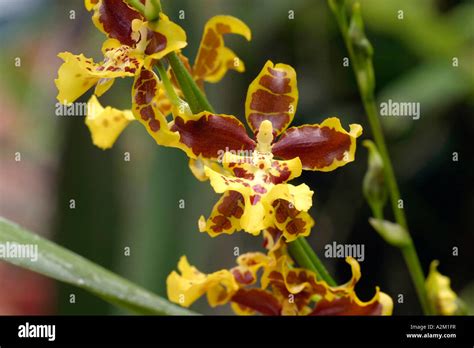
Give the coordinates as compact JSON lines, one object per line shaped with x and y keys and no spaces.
{"x":63,"y":265}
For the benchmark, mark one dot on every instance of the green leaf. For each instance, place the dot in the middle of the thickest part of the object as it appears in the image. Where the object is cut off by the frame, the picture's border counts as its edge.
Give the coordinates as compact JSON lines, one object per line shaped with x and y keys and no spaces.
{"x":63,"y":265}
{"x":392,"y":233}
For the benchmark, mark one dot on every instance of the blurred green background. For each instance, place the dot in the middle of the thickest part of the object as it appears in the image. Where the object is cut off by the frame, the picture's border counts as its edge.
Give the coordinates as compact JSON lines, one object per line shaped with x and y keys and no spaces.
{"x":135,"y":204}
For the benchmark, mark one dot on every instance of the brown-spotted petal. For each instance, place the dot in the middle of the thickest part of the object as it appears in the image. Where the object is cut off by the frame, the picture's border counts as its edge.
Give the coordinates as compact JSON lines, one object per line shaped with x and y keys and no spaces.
{"x":381,"y":304}
{"x":210,"y":135}
{"x":322,"y":147}
{"x":213,"y":58}
{"x":145,"y":108}
{"x":272,"y":96}
{"x":114,"y":18}
{"x":259,"y":300}
{"x":225,"y":216}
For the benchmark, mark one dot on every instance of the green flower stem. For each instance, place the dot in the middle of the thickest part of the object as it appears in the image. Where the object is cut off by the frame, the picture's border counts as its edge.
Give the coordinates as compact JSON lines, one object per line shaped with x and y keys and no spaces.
{"x":152,"y":10}
{"x":305,"y":257}
{"x":318,"y":266}
{"x":137,"y":5}
{"x":170,"y":92}
{"x":363,"y":69}
{"x":193,"y":94}
{"x":300,"y":255}
{"x":300,"y":249}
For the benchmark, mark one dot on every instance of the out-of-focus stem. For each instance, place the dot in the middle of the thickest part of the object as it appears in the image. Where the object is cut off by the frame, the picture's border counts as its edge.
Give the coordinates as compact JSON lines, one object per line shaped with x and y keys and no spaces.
{"x":368,"y":99}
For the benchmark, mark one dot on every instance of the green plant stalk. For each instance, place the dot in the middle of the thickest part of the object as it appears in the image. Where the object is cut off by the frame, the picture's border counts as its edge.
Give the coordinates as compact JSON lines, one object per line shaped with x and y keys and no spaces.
{"x":170,"y":92}
{"x":300,"y":249}
{"x":368,"y":99}
{"x":298,"y":252}
{"x":193,"y":94}
{"x":152,"y":10}
{"x":137,"y":5}
{"x":317,"y":263}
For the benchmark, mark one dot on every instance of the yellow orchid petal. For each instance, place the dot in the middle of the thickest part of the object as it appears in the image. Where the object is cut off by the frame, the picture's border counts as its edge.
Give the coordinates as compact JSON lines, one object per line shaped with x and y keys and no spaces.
{"x":380,"y":304}
{"x":197,"y":165}
{"x":78,"y":74}
{"x":119,"y":60}
{"x":241,"y":309}
{"x":145,"y":109}
{"x":225,"y":216}
{"x":74,"y":77}
{"x":292,"y":222}
{"x":114,"y":18}
{"x":166,"y":37}
{"x":245,"y":273}
{"x":106,"y":124}
{"x":342,"y":300}
{"x":213,"y":58}
{"x":255,"y":217}
{"x":299,"y":196}
{"x":356,"y":275}
{"x":322,"y":147}
{"x":258,"y":180}
{"x":306,"y":288}
{"x":272,"y":96}
{"x":89,"y":4}
{"x":387,"y":304}
{"x":440,"y":294}
{"x":207,"y":135}
{"x":258,"y":300}
{"x":186,"y":288}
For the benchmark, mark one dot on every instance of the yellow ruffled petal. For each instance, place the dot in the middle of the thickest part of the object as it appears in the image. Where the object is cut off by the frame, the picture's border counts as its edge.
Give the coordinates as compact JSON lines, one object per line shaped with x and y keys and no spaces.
{"x":186,"y":288}
{"x":213,"y":58}
{"x":225,"y":216}
{"x":387,"y":304}
{"x":248,"y":266}
{"x":438,"y":287}
{"x":75,"y":77}
{"x":78,"y":74}
{"x":106,"y":124}
{"x":299,"y":196}
{"x":306,"y":288}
